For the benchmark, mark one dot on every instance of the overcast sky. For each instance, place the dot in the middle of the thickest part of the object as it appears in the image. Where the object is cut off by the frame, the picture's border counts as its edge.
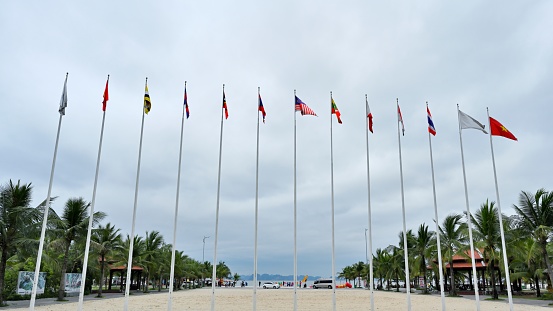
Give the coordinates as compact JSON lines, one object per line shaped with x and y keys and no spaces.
{"x":476,"y":54}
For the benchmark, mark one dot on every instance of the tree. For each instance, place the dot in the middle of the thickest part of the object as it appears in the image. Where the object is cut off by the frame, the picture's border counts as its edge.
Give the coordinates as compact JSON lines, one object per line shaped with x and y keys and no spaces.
{"x":381,"y":263}
{"x":536,"y":217}
{"x":423,"y":245}
{"x":358,"y":268}
{"x":452,"y":237}
{"x":486,"y":233}
{"x":72,"y":225}
{"x":16,"y":219}
{"x":105,"y":240}
{"x":222,"y":271}
{"x":151,"y":255}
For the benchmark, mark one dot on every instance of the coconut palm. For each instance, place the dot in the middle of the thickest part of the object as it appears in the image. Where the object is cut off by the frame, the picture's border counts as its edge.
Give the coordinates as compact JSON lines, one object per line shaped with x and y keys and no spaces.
{"x":487,"y":236}
{"x":72,"y":225}
{"x":153,"y":242}
{"x":528,"y":263}
{"x":423,"y":245}
{"x":359,"y":269}
{"x":16,"y":220}
{"x":453,"y":238}
{"x":105,"y":240}
{"x":535,"y":212}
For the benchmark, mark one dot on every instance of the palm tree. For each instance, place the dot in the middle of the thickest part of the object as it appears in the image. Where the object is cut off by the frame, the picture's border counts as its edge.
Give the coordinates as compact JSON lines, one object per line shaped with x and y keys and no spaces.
{"x":528,"y":262}
{"x":358,"y":268}
{"x":424,"y":243}
{"x":486,"y":233}
{"x":72,"y":225}
{"x":105,"y":240}
{"x":222,"y":271}
{"x":136,"y":257}
{"x":452,"y":236}
{"x":536,"y":217}
{"x":16,"y":219}
{"x":151,"y":255}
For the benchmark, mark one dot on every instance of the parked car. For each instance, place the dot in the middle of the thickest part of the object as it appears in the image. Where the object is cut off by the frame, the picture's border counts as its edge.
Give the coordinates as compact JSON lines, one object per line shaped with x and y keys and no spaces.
{"x":271,"y":285}
{"x":323,"y":283}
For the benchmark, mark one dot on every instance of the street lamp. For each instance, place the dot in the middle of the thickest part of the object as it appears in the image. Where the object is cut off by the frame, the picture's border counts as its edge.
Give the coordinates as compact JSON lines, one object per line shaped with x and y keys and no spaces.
{"x":366,"y":253}
{"x":203,"y":250}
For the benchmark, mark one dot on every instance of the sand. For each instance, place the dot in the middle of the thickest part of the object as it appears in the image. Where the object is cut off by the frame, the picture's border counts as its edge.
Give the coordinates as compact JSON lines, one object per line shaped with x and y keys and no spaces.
{"x":241,"y":299}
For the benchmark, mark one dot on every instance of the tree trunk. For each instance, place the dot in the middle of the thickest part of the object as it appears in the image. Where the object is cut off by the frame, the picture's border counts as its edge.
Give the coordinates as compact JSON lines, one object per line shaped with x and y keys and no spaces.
{"x":537,"y":282}
{"x":451,"y":280}
{"x":61,"y":291}
{"x":543,"y":244}
{"x":3,"y":273}
{"x":494,"y":291}
{"x":102,"y":262}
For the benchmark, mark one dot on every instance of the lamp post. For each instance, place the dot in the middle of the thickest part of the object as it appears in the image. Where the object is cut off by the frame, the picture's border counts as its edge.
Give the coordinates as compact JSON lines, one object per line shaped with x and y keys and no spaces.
{"x":203,"y":250}
{"x":366,"y":254}
{"x":203,"y":261}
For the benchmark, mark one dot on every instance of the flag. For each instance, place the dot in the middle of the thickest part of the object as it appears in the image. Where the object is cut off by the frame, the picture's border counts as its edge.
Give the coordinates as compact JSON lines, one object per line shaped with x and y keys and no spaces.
{"x":186,"y":103}
{"x":498,"y":129}
{"x":147,"y":103}
{"x":106,"y":97}
{"x":261,"y":108}
{"x":334,"y":110}
{"x":63,"y":100}
{"x":400,"y":119}
{"x":303,"y":108}
{"x":468,"y":122}
{"x":431,"y":128}
{"x":225,"y":105}
{"x":370,"y":117}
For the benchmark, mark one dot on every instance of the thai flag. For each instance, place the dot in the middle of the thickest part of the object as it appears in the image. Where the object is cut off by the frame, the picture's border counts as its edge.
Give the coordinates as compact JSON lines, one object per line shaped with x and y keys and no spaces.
{"x":261,"y":108}
{"x":186,"y":104}
{"x":431,"y":128}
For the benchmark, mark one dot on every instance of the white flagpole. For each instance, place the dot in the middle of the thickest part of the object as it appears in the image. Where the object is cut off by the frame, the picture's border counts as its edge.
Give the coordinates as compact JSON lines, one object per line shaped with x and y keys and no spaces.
{"x":214,"y":274}
{"x":371,"y":273}
{"x":332,"y":210}
{"x":500,"y":216}
{"x":405,"y":251}
{"x":469,"y":222}
{"x":47,"y":204}
{"x":256,"y":211}
{"x":173,"y":248}
{"x":91,"y":218}
{"x":131,"y":238}
{"x":295,"y":215}
{"x":442,"y":294}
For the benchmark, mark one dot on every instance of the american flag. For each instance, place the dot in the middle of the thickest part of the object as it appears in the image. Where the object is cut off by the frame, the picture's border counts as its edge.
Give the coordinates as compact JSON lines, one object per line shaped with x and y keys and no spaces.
{"x":301,"y":106}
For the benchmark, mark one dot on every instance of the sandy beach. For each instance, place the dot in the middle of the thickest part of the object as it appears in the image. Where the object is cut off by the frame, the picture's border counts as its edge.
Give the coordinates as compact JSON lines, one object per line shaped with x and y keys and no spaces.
{"x":241,"y":299}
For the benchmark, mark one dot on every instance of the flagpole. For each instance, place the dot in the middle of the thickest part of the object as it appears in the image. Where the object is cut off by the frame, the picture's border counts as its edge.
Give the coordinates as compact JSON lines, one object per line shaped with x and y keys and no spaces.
{"x":173,"y":248}
{"x":371,"y":274}
{"x":500,"y":216}
{"x":91,"y":218}
{"x":256,"y":210}
{"x":332,"y":210}
{"x":437,"y":222}
{"x":295,"y":215}
{"x":405,"y":252}
{"x":214,"y":273}
{"x":131,"y":238}
{"x":47,"y":207}
{"x":469,"y":222}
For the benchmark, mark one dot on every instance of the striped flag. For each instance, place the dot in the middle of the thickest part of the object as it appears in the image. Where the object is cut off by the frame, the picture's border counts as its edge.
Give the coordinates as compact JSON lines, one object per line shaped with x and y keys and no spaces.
{"x":303,"y":108}
{"x":63,"y":100}
{"x":431,"y":128}
{"x":225,"y":105}
{"x":370,"y":117}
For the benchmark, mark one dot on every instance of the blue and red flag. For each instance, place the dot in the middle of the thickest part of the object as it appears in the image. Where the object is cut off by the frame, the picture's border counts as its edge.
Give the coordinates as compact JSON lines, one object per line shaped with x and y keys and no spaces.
{"x":303,"y":108}
{"x":261,"y":108}
{"x":225,"y":104}
{"x":431,"y":128}
{"x":186,"y":103}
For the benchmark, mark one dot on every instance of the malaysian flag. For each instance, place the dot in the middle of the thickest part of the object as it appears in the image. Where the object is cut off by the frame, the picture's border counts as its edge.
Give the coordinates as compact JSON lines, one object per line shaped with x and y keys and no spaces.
{"x":301,"y":106}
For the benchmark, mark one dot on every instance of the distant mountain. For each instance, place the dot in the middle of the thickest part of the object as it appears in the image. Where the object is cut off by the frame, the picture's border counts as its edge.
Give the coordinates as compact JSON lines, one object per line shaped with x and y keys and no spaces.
{"x":277,"y":277}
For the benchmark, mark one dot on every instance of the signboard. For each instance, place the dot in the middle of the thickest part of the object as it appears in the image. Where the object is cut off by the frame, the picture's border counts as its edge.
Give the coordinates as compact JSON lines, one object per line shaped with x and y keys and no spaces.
{"x":421,"y":281}
{"x":25,"y":282}
{"x":73,"y":282}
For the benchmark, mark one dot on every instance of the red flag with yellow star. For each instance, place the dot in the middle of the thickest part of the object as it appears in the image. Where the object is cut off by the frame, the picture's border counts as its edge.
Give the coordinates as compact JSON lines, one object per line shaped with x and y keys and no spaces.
{"x":498,"y":129}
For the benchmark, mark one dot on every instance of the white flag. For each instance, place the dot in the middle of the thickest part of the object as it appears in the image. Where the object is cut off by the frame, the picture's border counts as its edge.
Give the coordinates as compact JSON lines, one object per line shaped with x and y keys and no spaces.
{"x":63,"y":100}
{"x":468,"y":122}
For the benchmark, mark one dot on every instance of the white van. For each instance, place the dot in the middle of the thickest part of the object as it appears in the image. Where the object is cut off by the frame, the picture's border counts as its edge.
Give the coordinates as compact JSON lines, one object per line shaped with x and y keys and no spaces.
{"x":323,"y":283}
